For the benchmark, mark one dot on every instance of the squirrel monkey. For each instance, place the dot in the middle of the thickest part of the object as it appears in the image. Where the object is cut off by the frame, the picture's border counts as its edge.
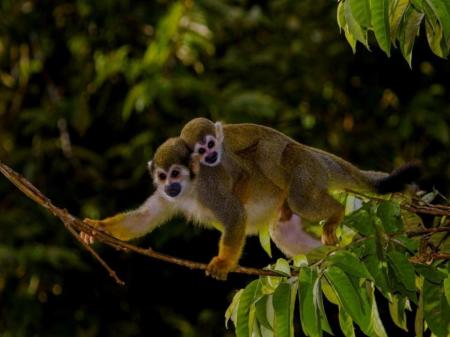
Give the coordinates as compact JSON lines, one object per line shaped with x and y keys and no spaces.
{"x":218,"y":197}
{"x":303,"y":173}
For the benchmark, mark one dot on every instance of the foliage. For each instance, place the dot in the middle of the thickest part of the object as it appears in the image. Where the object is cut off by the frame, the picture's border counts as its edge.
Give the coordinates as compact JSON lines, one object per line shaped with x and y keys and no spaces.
{"x":381,"y":262}
{"x":89,"y":89}
{"x":396,"y":22}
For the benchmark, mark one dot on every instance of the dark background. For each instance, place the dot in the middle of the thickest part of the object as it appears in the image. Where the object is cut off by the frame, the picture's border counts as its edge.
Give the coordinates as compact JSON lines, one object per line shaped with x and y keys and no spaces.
{"x":88,"y":90}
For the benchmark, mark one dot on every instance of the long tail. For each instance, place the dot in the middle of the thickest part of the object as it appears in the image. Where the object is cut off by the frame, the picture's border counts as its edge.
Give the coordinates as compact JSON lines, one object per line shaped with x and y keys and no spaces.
{"x":398,"y":179}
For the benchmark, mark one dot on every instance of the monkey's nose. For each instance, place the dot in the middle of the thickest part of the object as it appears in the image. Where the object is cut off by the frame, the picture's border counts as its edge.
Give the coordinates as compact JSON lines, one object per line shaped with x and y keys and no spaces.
{"x":212,"y":158}
{"x":173,"y":190}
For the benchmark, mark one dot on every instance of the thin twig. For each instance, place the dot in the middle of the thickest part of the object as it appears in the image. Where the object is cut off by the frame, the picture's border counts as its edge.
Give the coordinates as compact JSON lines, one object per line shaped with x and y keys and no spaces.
{"x":438,"y":210}
{"x":427,"y":231}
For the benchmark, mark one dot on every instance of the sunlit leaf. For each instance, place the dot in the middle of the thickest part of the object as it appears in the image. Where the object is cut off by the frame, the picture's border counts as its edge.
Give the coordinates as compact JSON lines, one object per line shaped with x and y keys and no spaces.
{"x":408,"y":32}
{"x":376,"y":324}
{"x":346,"y":323}
{"x":309,"y":315}
{"x":361,"y":12}
{"x":397,"y":306}
{"x":244,"y":320}
{"x":231,"y":312}
{"x":344,"y":26}
{"x":396,"y":15}
{"x":348,"y":296}
{"x":380,"y":24}
{"x":443,"y":15}
{"x":354,"y":27}
{"x":262,"y":310}
{"x":318,"y":303}
{"x":264,"y":240}
{"x":349,"y":263}
{"x":283,"y":325}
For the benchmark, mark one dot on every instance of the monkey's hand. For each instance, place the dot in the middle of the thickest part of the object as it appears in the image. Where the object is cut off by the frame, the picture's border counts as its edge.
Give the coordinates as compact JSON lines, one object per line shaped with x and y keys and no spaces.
{"x":219,"y":268}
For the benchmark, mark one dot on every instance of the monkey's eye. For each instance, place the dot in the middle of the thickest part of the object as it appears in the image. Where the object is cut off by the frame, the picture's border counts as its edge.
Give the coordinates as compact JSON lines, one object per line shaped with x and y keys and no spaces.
{"x":162,"y":176}
{"x":175,"y":173}
{"x":201,"y":150}
{"x":211,"y":144}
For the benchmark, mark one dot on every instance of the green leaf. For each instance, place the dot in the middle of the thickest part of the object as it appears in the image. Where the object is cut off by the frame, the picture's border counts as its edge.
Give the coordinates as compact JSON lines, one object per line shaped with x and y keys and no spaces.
{"x":434,"y":37}
{"x":443,"y":15}
{"x":309,"y":315}
{"x":380,"y":24}
{"x":231,"y":312}
{"x":430,"y":273}
{"x":389,"y":213}
{"x":318,"y":303}
{"x":282,"y":266}
{"x":378,"y":270}
{"x":261,"y":307}
{"x":403,"y":269}
{"x":346,"y":323}
{"x":340,"y":16}
{"x":397,"y":13}
{"x":408,"y":32}
{"x":354,"y":28}
{"x":376,"y":325}
{"x":349,"y":297}
{"x":361,"y":221}
{"x":264,"y":240}
{"x":349,"y":263}
{"x":447,"y":289}
{"x":283,"y":324}
{"x":436,"y":309}
{"x":244,"y":320}
{"x":361,"y":12}
{"x":343,"y":25}
{"x":418,"y":322}
{"x":397,"y":306}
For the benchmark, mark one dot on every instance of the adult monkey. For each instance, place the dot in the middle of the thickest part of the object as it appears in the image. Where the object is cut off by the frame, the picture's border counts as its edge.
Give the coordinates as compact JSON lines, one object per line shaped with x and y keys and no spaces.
{"x":225,"y":196}
{"x":304,"y":173}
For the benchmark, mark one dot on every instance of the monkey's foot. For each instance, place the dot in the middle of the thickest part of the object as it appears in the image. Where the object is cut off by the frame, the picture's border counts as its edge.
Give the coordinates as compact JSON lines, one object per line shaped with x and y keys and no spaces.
{"x":329,"y":237}
{"x":219,"y":268}
{"x":88,"y":238}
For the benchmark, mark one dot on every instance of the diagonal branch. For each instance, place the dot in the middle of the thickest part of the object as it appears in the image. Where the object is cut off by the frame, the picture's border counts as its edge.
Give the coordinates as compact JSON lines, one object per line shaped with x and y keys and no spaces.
{"x":75,"y":225}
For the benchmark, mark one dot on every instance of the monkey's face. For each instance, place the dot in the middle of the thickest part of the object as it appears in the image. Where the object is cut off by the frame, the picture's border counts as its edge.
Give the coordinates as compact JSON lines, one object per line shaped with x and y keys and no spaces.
{"x":172,"y":183}
{"x":169,"y":168}
{"x":209,"y":149}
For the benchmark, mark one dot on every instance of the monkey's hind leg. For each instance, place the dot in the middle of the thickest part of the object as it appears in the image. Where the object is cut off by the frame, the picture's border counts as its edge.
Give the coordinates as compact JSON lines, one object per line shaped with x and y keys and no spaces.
{"x":310,"y":199}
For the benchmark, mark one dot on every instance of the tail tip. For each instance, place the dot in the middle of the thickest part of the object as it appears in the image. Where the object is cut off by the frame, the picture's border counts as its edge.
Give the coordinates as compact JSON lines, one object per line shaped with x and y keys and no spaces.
{"x":400,"y":177}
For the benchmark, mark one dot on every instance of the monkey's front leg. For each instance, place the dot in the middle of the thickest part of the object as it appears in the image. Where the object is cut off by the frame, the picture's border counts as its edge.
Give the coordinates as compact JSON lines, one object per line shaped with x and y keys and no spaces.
{"x":231,"y":243}
{"x":230,"y":250}
{"x":133,"y":224}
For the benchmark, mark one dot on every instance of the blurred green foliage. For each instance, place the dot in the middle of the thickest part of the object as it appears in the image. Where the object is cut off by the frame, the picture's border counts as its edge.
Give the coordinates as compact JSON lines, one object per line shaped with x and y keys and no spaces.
{"x":88,"y":90}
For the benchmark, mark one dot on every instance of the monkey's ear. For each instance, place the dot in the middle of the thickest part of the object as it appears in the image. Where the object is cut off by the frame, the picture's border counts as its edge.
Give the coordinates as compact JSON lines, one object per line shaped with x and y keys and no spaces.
{"x":219,"y":131}
{"x":150,"y":166}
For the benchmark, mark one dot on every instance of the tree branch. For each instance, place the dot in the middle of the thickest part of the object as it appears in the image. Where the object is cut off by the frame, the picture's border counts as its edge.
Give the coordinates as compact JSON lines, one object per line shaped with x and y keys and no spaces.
{"x":75,"y":226}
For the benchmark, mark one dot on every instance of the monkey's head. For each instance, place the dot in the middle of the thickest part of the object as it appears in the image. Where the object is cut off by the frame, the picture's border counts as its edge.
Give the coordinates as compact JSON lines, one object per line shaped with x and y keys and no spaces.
{"x":204,"y":138}
{"x":170,"y":168}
